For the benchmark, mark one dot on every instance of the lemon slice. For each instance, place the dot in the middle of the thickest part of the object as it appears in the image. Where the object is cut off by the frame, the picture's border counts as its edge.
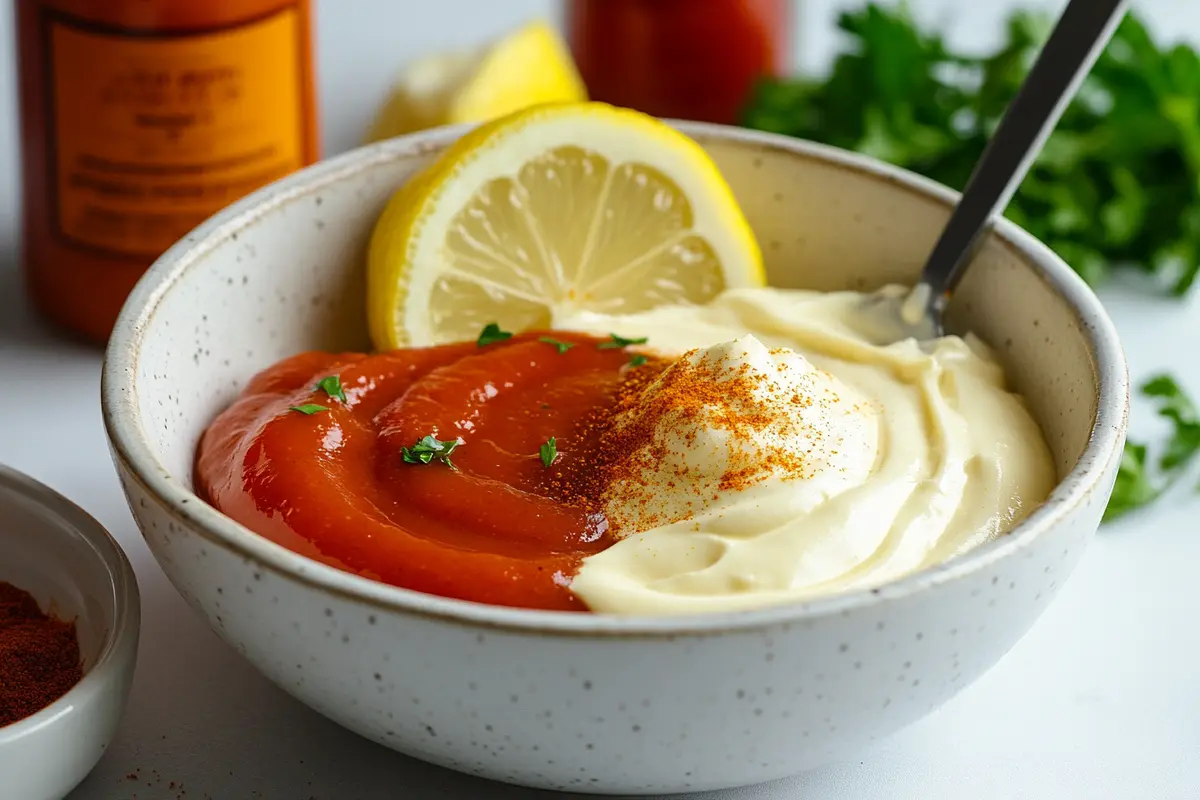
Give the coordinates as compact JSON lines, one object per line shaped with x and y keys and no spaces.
{"x":548,"y":212}
{"x":530,"y":66}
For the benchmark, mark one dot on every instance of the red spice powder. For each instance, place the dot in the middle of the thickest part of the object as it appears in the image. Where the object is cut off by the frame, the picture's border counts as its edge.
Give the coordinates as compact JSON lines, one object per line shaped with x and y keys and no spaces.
{"x":581,"y":481}
{"x":689,"y":397}
{"x":39,"y":656}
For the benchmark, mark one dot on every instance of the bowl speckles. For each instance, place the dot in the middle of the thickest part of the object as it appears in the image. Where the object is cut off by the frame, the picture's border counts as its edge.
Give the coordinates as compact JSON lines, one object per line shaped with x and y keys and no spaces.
{"x":592,"y":702}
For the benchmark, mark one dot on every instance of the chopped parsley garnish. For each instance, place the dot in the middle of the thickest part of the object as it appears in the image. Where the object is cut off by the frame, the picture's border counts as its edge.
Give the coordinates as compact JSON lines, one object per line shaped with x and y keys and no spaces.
{"x":491,"y":334}
{"x":308,"y":409}
{"x":548,"y":452}
{"x":1140,"y":481}
{"x":638,"y":360}
{"x":430,"y":448}
{"x":561,"y":346}
{"x":332,"y":386}
{"x":615,"y":342}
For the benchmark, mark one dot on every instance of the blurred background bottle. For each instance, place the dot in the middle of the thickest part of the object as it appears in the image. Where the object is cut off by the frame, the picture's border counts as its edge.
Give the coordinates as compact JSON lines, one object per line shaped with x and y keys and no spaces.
{"x":139,"y":119}
{"x":687,"y":59}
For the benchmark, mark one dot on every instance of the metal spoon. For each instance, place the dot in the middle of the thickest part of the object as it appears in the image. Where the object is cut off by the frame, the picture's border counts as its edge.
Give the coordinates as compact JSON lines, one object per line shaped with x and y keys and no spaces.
{"x":1076,"y":41}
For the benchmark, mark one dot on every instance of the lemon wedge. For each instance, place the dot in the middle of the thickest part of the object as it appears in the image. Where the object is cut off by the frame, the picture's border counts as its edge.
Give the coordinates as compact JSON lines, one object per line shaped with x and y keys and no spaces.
{"x":528,"y":67}
{"x":548,"y":212}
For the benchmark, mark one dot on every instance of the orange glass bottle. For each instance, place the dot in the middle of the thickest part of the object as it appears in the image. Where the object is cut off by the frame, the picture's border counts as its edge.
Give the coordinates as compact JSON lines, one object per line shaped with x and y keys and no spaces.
{"x":139,"y":119}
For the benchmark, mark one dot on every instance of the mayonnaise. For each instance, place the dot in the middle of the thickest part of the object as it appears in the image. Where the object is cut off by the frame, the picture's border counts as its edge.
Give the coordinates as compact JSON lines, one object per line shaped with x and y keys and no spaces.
{"x":865,"y":460}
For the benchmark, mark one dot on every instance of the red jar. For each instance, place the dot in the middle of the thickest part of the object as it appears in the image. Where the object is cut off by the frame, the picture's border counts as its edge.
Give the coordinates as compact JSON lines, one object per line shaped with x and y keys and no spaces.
{"x":688,"y":59}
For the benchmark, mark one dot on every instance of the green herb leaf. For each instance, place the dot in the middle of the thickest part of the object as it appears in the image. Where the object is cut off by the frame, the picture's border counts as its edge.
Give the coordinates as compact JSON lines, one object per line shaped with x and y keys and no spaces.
{"x":491,"y":334}
{"x":1135,"y":486}
{"x":332,"y":386}
{"x":638,"y":360}
{"x":615,"y":342}
{"x":548,"y":452}
{"x":1139,"y":482}
{"x":309,"y":409}
{"x":560,"y":345}
{"x":428,"y":449}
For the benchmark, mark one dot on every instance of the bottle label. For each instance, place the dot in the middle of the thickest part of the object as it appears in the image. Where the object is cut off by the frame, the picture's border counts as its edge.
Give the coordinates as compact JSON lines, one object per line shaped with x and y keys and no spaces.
{"x":153,"y":132}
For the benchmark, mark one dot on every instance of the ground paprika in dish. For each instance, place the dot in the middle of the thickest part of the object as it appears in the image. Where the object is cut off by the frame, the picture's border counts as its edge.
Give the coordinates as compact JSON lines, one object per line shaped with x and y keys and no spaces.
{"x":39,"y":656}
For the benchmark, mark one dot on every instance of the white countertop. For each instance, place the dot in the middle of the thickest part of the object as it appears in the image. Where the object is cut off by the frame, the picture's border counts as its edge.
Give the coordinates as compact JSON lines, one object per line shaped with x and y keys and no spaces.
{"x":1100,"y":700}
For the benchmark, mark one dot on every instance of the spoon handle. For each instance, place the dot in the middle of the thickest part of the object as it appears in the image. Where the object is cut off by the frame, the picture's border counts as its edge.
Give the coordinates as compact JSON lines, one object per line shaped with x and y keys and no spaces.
{"x":1077,"y":40}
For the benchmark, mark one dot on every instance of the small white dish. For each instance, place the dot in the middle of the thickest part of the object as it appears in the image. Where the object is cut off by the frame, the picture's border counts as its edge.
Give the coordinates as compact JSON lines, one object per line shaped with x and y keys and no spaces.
{"x":54,"y":550}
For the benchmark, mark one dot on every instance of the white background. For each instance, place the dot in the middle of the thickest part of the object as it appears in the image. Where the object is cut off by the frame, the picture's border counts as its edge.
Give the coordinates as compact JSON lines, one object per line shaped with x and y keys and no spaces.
{"x":1101,"y":700}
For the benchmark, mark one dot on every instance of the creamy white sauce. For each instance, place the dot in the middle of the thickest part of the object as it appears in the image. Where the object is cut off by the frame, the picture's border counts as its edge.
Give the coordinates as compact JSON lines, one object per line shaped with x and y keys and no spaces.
{"x":912,"y":453}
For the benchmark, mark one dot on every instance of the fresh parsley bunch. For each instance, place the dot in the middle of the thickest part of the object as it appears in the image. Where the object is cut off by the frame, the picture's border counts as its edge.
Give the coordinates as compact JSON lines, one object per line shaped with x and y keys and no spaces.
{"x":1118,"y":183}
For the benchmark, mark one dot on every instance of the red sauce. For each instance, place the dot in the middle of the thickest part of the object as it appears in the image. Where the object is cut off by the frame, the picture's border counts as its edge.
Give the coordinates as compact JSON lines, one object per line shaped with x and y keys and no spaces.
{"x":334,"y":485}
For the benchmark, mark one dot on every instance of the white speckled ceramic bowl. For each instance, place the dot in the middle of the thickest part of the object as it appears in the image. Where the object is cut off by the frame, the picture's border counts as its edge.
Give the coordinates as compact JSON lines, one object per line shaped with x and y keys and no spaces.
{"x":591,"y":702}
{"x":52,"y":549}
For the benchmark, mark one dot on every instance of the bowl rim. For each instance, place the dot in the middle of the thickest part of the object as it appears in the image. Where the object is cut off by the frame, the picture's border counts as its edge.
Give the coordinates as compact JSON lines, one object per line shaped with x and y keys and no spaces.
{"x":123,"y":600}
{"x":132,"y":450}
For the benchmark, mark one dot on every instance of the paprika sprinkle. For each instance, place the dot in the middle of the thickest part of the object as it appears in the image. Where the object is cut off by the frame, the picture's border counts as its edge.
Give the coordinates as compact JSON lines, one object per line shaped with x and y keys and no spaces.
{"x":39,"y":656}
